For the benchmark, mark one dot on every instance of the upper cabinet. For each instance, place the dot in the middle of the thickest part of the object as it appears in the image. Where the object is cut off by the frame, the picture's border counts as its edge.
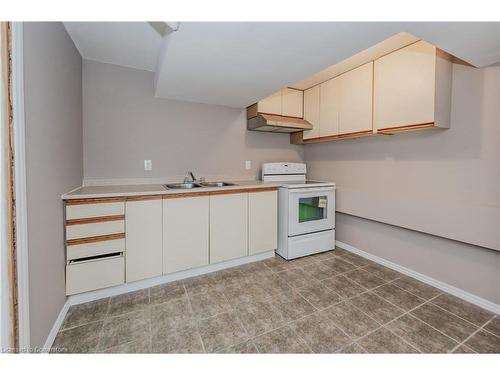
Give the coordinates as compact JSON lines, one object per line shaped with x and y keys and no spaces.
{"x":356,"y":100}
{"x":412,"y":89}
{"x":287,"y":102}
{"x":340,"y":106}
{"x":311,"y":111}
{"x":404,"y":90}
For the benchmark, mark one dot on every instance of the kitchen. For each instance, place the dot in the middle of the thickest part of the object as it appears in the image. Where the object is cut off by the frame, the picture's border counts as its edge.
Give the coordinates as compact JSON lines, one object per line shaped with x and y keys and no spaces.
{"x":348,"y":206}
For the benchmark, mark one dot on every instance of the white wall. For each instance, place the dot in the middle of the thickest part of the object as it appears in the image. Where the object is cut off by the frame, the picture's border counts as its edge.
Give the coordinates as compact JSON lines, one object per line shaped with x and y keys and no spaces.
{"x":54,"y":162}
{"x":445,"y":183}
{"x":124,"y":124}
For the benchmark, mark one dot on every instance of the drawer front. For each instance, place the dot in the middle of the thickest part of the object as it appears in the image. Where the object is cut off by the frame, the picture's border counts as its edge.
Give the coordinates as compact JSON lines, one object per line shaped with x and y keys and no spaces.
{"x":95,"y":248}
{"x":94,"y":229}
{"x":81,"y":211}
{"x":94,"y":274}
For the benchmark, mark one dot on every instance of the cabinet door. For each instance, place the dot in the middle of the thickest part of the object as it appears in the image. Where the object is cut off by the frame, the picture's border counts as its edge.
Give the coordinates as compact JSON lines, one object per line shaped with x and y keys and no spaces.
{"x":329,"y":106}
{"x":311,"y":111}
{"x":185,"y":233}
{"x":404,"y":86}
{"x":143,"y":239}
{"x":262,"y":222}
{"x":356,"y":100}
{"x":292,"y":102}
{"x":228,"y":227}
{"x":271,"y":104}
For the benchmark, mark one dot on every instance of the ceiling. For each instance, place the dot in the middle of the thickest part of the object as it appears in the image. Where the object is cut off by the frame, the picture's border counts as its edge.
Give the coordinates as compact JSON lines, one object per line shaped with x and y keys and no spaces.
{"x":235,"y":64}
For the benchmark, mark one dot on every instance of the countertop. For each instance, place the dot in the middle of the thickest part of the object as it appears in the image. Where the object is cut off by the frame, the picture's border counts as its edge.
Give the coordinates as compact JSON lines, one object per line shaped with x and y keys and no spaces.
{"x":109,"y":191}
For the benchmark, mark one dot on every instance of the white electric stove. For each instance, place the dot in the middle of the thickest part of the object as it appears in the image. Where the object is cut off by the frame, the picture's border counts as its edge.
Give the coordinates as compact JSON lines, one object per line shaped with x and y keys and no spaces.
{"x":306,"y":210}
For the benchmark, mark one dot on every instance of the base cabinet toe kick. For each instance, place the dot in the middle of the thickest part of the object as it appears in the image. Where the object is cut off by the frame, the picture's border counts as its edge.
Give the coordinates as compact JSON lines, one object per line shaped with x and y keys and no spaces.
{"x":117,"y":240}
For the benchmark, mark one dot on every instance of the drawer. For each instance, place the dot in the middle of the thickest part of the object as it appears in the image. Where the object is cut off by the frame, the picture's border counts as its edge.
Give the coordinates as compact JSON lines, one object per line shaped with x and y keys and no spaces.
{"x":94,"y":229}
{"x":93,"y":249}
{"x":80,"y":211}
{"x":94,"y":274}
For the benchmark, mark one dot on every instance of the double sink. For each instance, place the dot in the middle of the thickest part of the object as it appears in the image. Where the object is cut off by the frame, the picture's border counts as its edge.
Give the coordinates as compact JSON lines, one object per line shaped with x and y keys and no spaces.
{"x":194,"y":185}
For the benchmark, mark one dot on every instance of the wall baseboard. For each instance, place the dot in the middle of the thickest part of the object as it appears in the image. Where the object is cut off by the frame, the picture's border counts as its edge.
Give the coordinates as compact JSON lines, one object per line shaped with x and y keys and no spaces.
{"x":457,"y":292}
{"x":137,"y":285}
{"x":55,"y":328}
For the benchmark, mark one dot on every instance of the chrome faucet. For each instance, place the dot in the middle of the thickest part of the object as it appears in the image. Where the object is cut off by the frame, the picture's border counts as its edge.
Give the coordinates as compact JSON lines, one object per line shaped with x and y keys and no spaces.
{"x":193,"y":179}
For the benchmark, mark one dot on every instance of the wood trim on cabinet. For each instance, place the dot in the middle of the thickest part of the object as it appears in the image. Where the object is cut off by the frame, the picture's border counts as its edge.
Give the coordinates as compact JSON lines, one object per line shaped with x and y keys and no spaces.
{"x":220,"y":192}
{"x":107,"y":237}
{"x":186,"y":195}
{"x":95,"y":219}
{"x":74,"y":202}
{"x":296,"y":138}
{"x":403,"y":128}
{"x":143,"y":197}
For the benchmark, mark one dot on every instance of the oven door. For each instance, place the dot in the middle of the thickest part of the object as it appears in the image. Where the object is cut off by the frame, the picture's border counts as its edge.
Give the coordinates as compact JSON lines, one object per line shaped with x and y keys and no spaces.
{"x":311,"y":210}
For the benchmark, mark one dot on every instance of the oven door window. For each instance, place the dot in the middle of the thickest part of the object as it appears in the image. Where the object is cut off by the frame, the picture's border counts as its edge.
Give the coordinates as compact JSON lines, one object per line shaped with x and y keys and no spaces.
{"x":312,"y":208}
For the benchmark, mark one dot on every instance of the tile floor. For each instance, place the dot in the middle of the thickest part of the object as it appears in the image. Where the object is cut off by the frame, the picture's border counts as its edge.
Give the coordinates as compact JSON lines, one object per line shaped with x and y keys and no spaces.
{"x":334,"y":302}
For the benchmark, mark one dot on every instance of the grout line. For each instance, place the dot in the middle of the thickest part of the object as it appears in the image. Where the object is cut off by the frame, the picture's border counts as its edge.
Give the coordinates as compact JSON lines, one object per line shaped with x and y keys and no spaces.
{"x":192,"y":312}
{"x":472,"y":334}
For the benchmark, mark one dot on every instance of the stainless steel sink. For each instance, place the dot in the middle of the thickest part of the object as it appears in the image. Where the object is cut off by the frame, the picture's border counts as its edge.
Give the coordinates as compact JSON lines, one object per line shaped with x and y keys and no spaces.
{"x":216,"y":184}
{"x":183,"y":185}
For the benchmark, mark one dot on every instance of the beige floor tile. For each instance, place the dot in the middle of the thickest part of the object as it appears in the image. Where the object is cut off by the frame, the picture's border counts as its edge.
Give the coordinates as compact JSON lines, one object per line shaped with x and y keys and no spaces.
{"x":297,"y":277}
{"x":121,"y":329}
{"x":365,"y":278}
{"x":352,"y":349}
{"x":81,"y":339}
{"x":86,"y":313}
{"x":398,"y":296}
{"x":338,"y":266}
{"x":129,"y":302}
{"x":283,"y":340}
{"x":484,"y":342}
{"x":420,"y":335}
{"x":319,"y":271}
{"x":383,"y":341}
{"x":247,"y":347}
{"x":319,"y":296}
{"x":167,"y":292}
{"x":458,"y":329}
{"x":416,"y":287}
{"x":260,"y":316}
{"x":377,"y":308}
{"x":183,"y":339}
{"x":171,"y":314}
{"x":221,"y":331}
{"x":351,"y":320}
{"x":343,"y":286}
{"x":208,"y":304}
{"x":494,"y":326}
{"x":463,"y":349}
{"x":463,"y":309}
{"x":320,"y":334}
{"x":383,"y":272}
{"x":201,"y":284}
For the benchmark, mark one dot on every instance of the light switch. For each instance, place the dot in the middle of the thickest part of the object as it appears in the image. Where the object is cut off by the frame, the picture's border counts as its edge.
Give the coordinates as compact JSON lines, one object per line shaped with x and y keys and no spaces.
{"x":248,"y":164}
{"x":148,"y":165}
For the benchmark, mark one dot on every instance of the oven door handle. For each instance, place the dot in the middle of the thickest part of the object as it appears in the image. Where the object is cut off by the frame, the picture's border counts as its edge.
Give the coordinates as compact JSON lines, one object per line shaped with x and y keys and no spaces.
{"x":312,"y":190}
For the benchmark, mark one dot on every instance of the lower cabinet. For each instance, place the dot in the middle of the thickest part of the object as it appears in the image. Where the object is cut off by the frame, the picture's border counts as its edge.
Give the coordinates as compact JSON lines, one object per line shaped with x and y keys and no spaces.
{"x":143,"y":221}
{"x":185,"y":233}
{"x":228,"y":227}
{"x":262,"y":221}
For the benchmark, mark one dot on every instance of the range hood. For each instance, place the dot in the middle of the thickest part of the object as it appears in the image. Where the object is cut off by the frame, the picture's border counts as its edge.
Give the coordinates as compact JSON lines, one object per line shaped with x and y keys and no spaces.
{"x":277,"y":124}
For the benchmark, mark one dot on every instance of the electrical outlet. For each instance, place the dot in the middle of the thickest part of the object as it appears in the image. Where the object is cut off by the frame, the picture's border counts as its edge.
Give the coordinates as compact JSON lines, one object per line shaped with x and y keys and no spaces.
{"x":148,"y":165}
{"x":248,"y":164}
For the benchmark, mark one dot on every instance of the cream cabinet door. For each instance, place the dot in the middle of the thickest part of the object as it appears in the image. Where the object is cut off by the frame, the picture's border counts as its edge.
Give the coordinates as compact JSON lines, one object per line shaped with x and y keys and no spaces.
{"x":356,"y":87}
{"x":228,"y":227}
{"x":271,"y":104}
{"x":143,"y":239}
{"x":404,"y":86}
{"x":292,"y":102}
{"x":329,"y":107}
{"x":185,"y":233}
{"x":311,"y":111}
{"x":262,"y":222}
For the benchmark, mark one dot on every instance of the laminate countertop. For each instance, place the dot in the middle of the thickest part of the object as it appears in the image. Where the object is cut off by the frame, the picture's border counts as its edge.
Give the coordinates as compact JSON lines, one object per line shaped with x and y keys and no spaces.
{"x":109,"y":191}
